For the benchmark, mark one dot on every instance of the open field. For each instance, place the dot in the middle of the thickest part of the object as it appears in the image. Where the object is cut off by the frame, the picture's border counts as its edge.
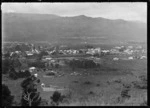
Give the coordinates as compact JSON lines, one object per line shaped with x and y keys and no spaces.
{"x":99,"y":86}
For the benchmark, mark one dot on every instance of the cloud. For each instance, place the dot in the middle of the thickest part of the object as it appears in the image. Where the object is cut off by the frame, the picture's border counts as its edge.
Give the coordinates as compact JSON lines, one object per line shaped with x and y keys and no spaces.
{"x":126,"y":11}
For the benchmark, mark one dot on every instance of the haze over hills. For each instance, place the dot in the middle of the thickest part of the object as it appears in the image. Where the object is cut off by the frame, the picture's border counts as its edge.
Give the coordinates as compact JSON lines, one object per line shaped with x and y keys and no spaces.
{"x":77,"y":29}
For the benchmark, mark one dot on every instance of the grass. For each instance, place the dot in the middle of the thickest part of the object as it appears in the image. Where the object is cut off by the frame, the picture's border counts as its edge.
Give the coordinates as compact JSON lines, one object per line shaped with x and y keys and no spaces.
{"x":113,"y":101}
{"x":85,"y":90}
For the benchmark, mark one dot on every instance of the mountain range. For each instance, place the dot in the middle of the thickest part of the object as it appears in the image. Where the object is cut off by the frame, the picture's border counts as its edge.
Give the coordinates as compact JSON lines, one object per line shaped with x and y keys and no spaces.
{"x":53,"y":28}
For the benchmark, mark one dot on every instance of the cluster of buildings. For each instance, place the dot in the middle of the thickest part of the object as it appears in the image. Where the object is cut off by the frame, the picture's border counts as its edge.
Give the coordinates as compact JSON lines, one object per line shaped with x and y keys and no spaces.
{"x":93,"y":51}
{"x":130,"y":51}
{"x":71,"y":51}
{"x":136,"y":52}
{"x":21,"y":50}
{"x":125,"y":50}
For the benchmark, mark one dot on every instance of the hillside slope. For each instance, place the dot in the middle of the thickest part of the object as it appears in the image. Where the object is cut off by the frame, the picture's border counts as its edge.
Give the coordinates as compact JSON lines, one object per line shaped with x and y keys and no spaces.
{"x":51,"y":28}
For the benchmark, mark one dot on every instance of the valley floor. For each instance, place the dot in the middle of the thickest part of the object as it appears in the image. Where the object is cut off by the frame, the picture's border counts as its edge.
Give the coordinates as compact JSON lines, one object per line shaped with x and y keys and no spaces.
{"x":113,"y":83}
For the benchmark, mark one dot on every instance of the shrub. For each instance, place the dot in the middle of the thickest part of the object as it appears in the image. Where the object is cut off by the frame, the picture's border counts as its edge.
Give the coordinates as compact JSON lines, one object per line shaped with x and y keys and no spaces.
{"x":97,"y":85}
{"x":87,"y":82}
{"x":13,"y":75}
{"x":83,"y":64}
{"x":49,"y":74}
{"x":57,"y":97}
{"x":91,"y":93}
{"x":143,"y":78}
{"x":24,"y":74}
{"x":125,"y":94}
{"x":75,"y":81}
{"x":5,"y":66}
{"x":7,"y":98}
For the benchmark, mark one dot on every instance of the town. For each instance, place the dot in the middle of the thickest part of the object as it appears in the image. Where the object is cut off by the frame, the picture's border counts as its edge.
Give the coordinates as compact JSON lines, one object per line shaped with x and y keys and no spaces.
{"x":74,"y":54}
{"x":49,"y":63}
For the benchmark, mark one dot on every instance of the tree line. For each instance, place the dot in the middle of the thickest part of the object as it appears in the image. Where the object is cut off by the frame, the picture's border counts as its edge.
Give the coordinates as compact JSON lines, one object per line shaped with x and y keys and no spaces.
{"x":83,"y":64}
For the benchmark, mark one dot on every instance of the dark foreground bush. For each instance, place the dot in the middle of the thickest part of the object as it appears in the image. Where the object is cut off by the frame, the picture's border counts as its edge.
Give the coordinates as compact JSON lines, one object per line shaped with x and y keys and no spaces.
{"x":23,"y":74}
{"x":7,"y":98}
{"x":124,"y":93}
{"x":56,"y":98}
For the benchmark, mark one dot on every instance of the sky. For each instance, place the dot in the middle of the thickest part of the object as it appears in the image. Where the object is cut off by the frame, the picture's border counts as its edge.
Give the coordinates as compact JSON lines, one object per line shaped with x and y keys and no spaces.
{"x":135,"y":11}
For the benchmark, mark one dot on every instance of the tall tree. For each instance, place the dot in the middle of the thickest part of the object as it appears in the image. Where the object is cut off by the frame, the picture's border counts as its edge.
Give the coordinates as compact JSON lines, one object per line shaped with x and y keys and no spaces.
{"x":30,"y":95}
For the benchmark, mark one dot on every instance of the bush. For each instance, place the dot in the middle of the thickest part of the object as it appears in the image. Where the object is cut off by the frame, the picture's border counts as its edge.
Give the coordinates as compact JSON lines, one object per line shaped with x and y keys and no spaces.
{"x":75,"y":81}
{"x":57,"y":97}
{"x":87,"y":82}
{"x":50,"y":74}
{"x":38,"y":64}
{"x":83,"y":64}
{"x":97,"y":85}
{"x":13,"y":74}
{"x":5,"y":66}
{"x":91,"y":93}
{"x":143,"y":78}
{"x":7,"y":98}
{"x":125,"y":94}
{"x":24,"y":74}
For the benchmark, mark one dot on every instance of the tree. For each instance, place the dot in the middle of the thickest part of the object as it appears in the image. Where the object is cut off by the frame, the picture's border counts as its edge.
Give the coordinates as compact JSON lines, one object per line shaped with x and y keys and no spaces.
{"x":7,"y":98}
{"x":5,"y":66}
{"x":38,"y":64}
{"x":13,"y":74}
{"x":24,"y":74}
{"x":18,"y":48}
{"x":56,"y":66}
{"x":16,"y":63}
{"x":43,"y":53}
{"x":7,"y":54}
{"x":30,"y":95}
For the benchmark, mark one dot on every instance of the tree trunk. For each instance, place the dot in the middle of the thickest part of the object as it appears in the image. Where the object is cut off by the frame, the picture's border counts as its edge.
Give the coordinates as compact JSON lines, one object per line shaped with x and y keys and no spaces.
{"x":30,"y":103}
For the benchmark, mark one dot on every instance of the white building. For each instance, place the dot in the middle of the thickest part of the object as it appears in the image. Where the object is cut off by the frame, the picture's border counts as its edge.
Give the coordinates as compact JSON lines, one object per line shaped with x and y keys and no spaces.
{"x":130,"y":58}
{"x":47,"y":58}
{"x":29,"y":53}
{"x":143,"y":57}
{"x":32,"y":69}
{"x":115,"y":58}
{"x":118,"y":47}
{"x":114,"y":51}
{"x":130,"y":47}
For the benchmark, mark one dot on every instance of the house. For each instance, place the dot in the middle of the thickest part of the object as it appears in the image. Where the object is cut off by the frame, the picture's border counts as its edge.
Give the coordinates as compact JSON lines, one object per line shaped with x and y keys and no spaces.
{"x":36,"y":75}
{"x":29,"y":53}
{"x":130,"y":47}
{"x":128,"y":51}
{"x":46,"y":58}
{"x":32,"y":69}
{"x":115,"y":58}
{"x":130,"y":58}
{"x":143,"y":57}
{"x":105,"y":51}
{"x":93,"y":51}
{"x":114,"y":51}
{"x":139,"y":47}
{"x":117,"y":47}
